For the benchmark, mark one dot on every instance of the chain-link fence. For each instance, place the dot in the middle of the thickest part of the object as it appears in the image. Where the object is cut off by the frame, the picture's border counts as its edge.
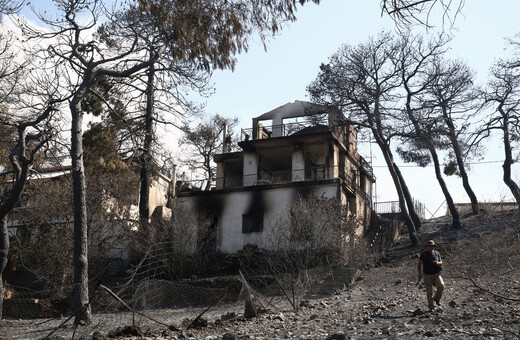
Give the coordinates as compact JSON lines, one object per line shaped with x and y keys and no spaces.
{"x":146,"y":307}
{"x":153,"y":307}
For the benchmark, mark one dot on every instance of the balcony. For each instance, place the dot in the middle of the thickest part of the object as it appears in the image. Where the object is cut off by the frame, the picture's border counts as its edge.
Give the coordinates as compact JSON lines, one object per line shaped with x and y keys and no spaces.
{"x":367,"y":167}
{"x":316,"y":173}
{"x":283,"y":130}
{"x":350,"y":183}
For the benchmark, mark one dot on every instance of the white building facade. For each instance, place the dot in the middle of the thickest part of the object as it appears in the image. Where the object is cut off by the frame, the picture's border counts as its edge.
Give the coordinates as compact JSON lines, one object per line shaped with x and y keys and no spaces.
{"x":307,"y":149}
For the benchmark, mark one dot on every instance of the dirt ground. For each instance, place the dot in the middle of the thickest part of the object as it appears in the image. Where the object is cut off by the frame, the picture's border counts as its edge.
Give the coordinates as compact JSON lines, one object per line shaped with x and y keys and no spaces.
{"x":481,"y":297}
{"x":386,"y":303}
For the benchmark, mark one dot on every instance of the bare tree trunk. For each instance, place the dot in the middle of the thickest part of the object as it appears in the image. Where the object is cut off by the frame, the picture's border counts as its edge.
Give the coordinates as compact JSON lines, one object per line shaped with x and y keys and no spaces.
{"x":397,"y":182}
{"x":460,"y":162}
{"x":22,"y":172}
{"x":80,"y":288}
{"x":4,"y":252}
{"x":207,"y":165}
{"x":435,"y":157}
{"x":508,"y":160}
{"x":449,"y":200}
{"x":409,"y":200}
{"x":144,"y":193}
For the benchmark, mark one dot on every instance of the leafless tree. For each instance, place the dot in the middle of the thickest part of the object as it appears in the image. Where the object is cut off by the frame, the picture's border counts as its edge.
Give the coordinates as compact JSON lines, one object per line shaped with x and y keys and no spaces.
{"x":191,"y":52}
{"x":30,"y":136}
{"x":70,"y":47}
{"x":10,"y":7}
{"x":408,"y":12}
{"x":302,"y":248}
{"x":28,"y":104}
{"x":158,"y":91}
{"x":504,"y":94}
{"x":453,"y":96}
{"x":174,"y":249}
{"x":364,"y":82}
{"x":46,"y":211}
{"x":424,"y":135}
{"x":21,"y":157}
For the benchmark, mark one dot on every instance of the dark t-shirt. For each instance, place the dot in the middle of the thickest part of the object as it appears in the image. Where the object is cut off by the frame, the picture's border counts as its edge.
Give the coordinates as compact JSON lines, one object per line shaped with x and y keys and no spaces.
{"x":429,"y":268}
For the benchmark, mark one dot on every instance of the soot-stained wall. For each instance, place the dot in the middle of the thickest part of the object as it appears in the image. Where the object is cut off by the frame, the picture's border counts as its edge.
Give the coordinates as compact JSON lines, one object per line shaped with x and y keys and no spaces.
{"x":229,"y":206}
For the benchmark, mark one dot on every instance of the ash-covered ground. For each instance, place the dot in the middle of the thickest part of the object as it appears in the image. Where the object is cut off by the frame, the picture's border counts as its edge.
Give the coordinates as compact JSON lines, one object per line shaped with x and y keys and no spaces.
{"x":481,"y":297}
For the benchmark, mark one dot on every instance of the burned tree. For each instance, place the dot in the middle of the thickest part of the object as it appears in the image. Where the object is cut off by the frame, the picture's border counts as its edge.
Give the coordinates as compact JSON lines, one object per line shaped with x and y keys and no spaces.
{"x":191,"y":52}
{"x":10,"y":7}
{"x":30,"y":137}
{"x":423,"y":134}
{"x":504,"y":93}
{"x":407,"y":12}
{"x":452,"y":96}
{"x":26,"y":116}
{"x":304,"y":245}
{"x":363,"y":82}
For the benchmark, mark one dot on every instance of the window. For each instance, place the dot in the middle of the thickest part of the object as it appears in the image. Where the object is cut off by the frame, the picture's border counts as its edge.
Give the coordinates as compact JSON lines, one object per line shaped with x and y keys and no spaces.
{"x":252,"y":223}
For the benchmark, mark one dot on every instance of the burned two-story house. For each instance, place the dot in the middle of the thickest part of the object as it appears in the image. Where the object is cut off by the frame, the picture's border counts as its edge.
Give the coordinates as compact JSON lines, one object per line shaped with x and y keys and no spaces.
{"x":296,"y":149}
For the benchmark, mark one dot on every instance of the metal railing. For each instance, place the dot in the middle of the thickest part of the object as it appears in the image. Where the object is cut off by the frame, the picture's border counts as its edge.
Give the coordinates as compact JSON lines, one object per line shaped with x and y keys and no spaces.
{"x":317,"y":173}
{"x":367,"y":167}
{"x":392,"y":207}
{"x":356,"y":188}
{"x":284,"y":129}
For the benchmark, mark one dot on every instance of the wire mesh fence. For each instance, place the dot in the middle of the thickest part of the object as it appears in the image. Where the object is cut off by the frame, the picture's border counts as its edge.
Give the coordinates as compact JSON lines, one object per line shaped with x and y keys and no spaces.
{"x":149,"y":307}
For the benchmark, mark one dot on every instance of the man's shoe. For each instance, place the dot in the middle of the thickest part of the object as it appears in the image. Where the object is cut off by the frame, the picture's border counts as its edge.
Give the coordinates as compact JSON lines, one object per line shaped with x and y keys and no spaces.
{"x":438,"y":302}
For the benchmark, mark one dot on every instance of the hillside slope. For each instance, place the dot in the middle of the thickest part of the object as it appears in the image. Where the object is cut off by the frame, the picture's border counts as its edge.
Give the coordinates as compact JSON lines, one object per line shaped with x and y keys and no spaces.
{"x":385,"y":301}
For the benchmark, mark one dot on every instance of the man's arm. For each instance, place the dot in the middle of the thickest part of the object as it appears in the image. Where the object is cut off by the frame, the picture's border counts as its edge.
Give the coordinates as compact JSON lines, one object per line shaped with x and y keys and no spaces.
{"x":438,"y":260}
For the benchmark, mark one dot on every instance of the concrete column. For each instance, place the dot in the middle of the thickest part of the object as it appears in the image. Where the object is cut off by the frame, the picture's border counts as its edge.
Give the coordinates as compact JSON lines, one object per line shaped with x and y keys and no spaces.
{"x":250,"y":169}
{"x":334,"y":162}
{"x":277,"y":127}
{"x":220,"y":176}
{"x":298,"y":164}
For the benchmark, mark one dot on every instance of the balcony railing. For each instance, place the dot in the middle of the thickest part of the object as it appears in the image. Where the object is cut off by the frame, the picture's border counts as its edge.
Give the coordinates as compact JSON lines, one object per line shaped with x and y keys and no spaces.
{"x":367,"y":167}
{"x":352,"y":184}
{"x":284,"y":176}
{"x":281,"y":130}
{"x":287,"y":176}
{"x":392,"y":207}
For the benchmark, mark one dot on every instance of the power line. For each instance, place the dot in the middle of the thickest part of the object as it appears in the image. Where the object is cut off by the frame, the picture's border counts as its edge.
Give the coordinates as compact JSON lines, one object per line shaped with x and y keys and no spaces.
{"x":430,"y":165}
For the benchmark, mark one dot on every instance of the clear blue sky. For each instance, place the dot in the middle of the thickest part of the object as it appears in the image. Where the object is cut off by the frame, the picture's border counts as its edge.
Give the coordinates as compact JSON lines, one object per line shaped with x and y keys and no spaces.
{"x":265,"y":80}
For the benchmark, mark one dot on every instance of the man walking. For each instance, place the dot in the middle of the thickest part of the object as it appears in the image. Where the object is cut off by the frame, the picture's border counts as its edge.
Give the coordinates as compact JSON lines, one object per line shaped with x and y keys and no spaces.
{"x":431,"y":263}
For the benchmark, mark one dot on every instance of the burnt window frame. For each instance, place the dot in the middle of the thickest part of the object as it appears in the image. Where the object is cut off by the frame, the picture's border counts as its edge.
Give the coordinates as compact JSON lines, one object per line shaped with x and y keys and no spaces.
{"x":252,"y":223}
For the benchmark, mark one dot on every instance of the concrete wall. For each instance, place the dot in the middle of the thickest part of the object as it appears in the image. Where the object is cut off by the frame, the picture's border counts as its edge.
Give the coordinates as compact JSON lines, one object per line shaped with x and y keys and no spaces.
{"x":230,"y":206}
{"x":159,"y":188}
